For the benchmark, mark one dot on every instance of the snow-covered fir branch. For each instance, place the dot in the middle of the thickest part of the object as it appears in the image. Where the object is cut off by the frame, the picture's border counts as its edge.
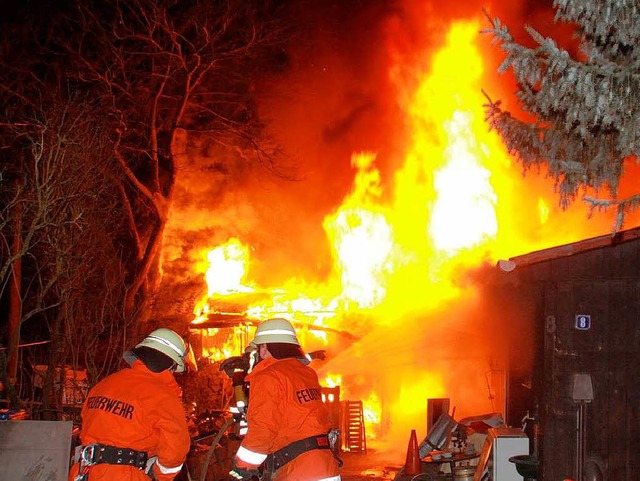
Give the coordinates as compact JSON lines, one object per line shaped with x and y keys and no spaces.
{"x":586,"y":109}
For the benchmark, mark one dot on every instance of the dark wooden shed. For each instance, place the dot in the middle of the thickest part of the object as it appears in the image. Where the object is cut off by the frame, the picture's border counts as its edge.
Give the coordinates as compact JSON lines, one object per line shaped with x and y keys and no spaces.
{"x":576,"y":309}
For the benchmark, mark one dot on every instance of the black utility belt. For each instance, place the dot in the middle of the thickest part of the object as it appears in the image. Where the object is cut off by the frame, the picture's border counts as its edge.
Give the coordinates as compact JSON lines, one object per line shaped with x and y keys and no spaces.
{"x":291,"y":451}
{"x":104,"y":454}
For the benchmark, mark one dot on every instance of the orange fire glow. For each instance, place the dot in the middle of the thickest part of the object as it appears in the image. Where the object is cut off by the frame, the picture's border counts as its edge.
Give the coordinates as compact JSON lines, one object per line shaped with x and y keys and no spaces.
{"x":393,"y":315}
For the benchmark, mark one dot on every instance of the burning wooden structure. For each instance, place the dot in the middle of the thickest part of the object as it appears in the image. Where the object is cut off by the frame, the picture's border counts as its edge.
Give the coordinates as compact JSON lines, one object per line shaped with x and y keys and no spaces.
{"x":578,"y":308}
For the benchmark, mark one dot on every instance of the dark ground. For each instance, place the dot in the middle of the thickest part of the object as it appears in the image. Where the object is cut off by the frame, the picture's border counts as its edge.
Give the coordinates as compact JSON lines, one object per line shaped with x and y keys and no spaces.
{"x":374,"y":466}
{"x":370,"y":466}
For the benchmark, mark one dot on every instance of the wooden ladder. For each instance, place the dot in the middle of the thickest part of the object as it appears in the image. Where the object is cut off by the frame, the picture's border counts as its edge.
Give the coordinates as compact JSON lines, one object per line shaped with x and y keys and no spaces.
{"x":354,"y":439}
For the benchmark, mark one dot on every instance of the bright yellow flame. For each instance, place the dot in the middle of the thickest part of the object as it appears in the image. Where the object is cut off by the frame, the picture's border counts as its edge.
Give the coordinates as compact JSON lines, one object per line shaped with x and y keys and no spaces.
{"x":219,"y":344}
{"x":333,"y":380}
{"x":227,"y":268}
{"x":201,"y":312}
{"x":372,"y":413}
{"x":447,"y":149}
{"x":543,"y":208}
{"x":463,"y":214}
{"x":362,"y":238}
{"x":363,"y":244}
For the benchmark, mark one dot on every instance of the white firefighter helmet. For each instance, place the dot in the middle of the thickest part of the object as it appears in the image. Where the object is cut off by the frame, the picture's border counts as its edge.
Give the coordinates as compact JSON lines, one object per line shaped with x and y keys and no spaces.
{"x":275,"y":330}
{"x":171,"y":344}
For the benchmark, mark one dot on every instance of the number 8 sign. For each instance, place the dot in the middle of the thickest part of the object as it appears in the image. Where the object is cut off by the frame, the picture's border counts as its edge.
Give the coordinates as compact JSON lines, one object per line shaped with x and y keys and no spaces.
{"x":583,"y":322}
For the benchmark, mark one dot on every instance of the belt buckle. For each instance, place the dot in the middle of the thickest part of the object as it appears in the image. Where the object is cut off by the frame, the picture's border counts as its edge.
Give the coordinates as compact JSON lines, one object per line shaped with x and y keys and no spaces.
{"x":333,"y":436}
{"x":87,"y":455}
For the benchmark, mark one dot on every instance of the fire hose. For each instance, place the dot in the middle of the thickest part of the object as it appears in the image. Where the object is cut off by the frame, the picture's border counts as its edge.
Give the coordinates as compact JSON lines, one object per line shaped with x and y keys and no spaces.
{"x":235,"y":367}
{"x":214,"y":443}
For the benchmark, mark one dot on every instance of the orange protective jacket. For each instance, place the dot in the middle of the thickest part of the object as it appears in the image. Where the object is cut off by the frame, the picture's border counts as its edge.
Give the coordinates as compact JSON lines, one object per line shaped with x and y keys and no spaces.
{"x":138,"y":409}
{"x":285,"y":405}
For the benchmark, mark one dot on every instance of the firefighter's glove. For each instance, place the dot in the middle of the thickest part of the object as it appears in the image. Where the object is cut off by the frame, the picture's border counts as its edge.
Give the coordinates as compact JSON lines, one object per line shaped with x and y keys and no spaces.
{"x":233,"y":364}
{"x":318,"y":355}
{"x":243,"y":474}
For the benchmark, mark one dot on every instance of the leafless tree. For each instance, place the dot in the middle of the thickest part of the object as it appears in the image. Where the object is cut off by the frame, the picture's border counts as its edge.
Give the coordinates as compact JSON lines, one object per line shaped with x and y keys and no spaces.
{"x":163,"y":69}
{"x":72,"y":281}
{"x":96,"y":114}
{"x":59,"y":209}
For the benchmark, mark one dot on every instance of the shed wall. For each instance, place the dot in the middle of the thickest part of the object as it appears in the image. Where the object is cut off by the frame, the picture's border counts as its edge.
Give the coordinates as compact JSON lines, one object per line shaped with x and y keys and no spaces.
{"x":603,"y":283}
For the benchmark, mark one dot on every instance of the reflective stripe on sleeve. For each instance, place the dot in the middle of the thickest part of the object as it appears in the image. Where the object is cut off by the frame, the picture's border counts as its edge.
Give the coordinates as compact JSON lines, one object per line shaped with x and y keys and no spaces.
{"x":333,"y":478}
{"x":165,"y":470}
{"x":250,"y":457}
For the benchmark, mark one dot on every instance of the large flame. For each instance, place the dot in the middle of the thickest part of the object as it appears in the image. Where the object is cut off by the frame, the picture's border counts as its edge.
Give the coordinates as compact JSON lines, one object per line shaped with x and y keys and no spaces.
{"x":226,"y":270}
{"x":393,"y":313}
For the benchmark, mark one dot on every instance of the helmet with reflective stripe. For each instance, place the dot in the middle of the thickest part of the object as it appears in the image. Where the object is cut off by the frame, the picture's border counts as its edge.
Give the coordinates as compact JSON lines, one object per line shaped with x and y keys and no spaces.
{"x":169,"y":343}
{"x":275,"y":330}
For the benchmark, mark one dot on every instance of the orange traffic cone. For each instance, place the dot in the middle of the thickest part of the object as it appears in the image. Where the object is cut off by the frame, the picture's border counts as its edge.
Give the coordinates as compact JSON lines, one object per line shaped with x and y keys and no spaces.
{"x":412,"y":465}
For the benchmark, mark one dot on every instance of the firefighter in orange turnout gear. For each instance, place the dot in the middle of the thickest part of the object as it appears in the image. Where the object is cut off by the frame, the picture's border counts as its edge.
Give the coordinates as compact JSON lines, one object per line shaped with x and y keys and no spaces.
{"x":133,"y":421}
{"x":288,"y":424}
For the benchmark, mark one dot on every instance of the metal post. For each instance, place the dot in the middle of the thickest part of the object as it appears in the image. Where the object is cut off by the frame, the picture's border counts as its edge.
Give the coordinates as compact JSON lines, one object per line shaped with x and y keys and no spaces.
{"x":582,"y":394}
{"x":580,"y":440}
